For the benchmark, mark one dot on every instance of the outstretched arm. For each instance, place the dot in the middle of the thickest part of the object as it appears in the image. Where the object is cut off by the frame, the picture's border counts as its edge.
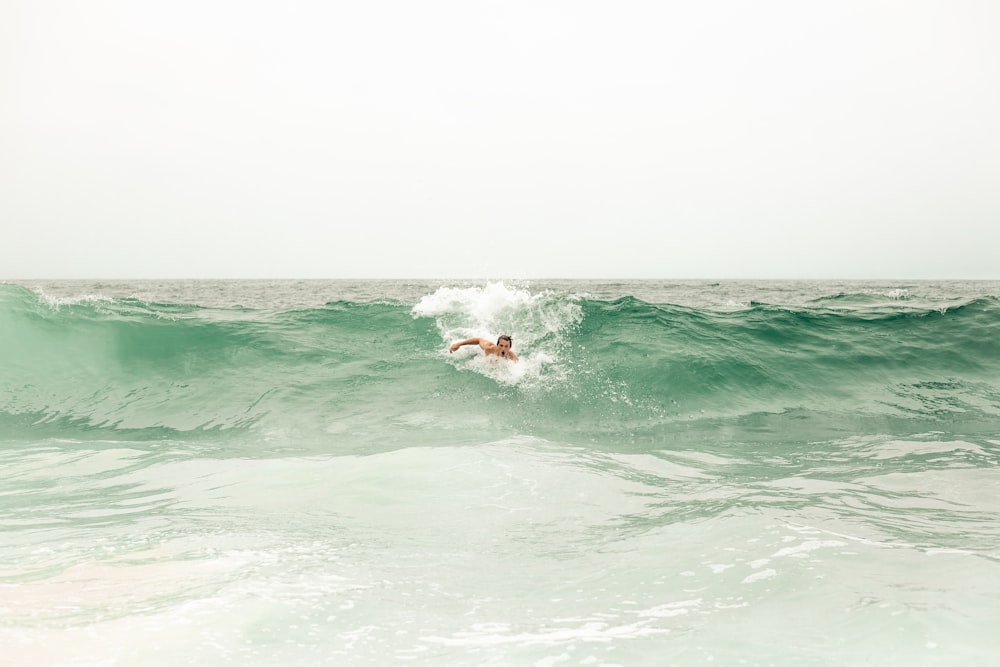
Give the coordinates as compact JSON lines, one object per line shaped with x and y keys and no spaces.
{"x":467,"y":341}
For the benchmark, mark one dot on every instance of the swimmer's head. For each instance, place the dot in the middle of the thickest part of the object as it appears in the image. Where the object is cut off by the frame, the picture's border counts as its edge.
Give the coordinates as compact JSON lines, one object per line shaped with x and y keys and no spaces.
{"x":504,"y":343}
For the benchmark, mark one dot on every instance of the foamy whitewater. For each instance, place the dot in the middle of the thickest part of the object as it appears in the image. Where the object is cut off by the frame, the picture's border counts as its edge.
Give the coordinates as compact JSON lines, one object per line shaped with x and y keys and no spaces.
{"x":675,"y":473}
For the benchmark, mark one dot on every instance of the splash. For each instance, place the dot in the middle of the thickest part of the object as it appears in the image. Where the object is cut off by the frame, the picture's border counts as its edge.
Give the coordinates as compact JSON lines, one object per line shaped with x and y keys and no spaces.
{"x":538,"y":324}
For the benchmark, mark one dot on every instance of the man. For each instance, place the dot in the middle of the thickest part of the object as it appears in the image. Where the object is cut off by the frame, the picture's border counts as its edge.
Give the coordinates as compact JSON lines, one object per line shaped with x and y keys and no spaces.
{"x":501,"y":349}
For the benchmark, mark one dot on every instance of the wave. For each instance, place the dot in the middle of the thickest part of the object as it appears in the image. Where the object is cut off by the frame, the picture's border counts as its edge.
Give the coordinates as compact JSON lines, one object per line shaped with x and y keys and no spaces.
{"x":128,"y":368}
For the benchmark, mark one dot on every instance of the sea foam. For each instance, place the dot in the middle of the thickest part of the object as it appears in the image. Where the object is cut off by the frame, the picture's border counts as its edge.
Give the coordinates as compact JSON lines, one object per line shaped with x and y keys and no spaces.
{"x":536,"y":322}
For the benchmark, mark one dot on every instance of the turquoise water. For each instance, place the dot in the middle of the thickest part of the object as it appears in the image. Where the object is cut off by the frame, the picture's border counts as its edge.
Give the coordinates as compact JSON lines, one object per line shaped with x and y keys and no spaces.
{"x":299,"y":473}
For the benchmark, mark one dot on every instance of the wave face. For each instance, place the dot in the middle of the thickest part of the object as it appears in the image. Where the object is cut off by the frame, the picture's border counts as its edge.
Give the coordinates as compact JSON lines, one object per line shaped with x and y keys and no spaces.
{"x":282,"y":473}
{"x":623,"y":368}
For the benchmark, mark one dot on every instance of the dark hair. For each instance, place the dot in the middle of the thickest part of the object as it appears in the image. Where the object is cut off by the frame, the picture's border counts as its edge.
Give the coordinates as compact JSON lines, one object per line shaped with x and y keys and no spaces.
{"x":506,"y":338}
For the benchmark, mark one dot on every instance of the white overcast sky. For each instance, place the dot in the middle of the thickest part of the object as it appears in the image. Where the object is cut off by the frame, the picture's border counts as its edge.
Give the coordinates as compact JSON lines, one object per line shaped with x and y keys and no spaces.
{"x":572,"y":139}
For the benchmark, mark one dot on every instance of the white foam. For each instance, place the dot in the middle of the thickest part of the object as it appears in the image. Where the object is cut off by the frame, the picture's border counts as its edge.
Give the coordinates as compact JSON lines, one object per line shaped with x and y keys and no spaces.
{"x":56,"y":302}
{"x":759,"y":576}
{"x":537,"y":323}
{"x":480,"y":304}
{"x":679,"y":608}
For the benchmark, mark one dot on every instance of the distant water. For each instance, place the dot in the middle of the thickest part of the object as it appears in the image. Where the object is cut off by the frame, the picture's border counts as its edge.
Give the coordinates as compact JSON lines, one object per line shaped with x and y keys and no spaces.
{"x":676,"y":473}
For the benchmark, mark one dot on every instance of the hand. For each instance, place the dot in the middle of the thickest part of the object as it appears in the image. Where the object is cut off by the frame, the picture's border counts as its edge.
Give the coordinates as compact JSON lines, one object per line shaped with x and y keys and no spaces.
{"x":454,"y":347}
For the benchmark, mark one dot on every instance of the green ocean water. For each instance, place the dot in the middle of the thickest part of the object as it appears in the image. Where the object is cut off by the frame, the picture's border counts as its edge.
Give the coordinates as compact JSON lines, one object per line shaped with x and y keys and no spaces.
{"x":675,"y":473}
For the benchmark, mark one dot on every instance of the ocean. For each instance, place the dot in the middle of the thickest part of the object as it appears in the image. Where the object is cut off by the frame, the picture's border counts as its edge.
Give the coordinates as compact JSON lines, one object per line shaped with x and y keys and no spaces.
{"x":674,"y":473}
